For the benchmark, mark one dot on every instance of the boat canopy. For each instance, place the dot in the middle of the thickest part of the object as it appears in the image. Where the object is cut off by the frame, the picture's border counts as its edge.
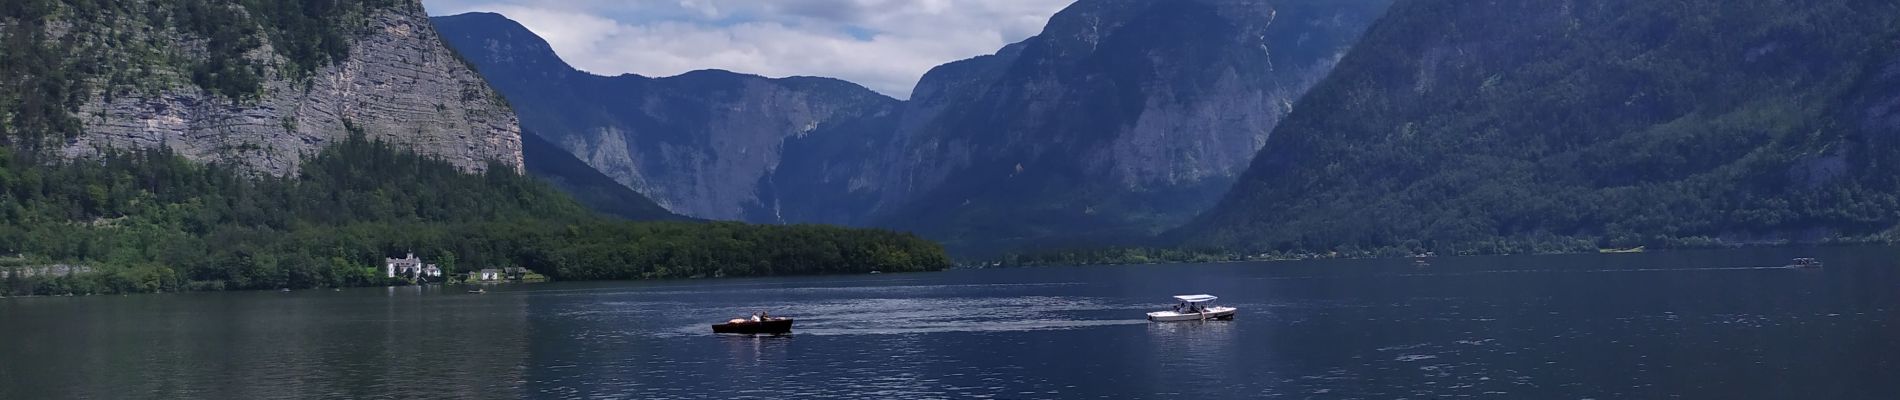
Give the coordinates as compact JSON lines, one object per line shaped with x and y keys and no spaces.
{"x":1195,"y":298}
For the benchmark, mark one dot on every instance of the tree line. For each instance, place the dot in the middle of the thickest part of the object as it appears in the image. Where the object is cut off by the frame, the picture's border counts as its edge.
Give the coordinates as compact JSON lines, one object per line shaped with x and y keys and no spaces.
{"x":152,"y":221}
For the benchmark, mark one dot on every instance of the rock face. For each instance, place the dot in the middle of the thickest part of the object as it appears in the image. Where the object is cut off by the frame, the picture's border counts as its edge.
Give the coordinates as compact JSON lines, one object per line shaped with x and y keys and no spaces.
{"x":1123,"y":117}
{"x":398,"y":84}
{"x":588,"y":186}
{"x":707,"y":144}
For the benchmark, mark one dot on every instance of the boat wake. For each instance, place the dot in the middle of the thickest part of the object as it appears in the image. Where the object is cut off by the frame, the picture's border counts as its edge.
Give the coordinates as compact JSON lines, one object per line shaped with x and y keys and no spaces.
{"x":1016,"y":326}
{"x":900,"y":316}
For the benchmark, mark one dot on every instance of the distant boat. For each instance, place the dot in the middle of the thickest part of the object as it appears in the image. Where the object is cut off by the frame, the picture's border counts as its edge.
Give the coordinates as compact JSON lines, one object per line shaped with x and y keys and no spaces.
{"x":1194,"y":307}
{"x":757,"y":324}
{"x":1805,"y":263}
{"x":285,"y":290}
{"x":876,"y":272}
{"x":477,"y":291}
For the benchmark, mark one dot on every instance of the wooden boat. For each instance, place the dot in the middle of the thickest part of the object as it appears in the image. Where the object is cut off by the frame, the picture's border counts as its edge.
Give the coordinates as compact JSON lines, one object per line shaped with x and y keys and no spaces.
{"x":756,"y":325}
{"x":1805,"y":263}
{"x":1194,"y":307}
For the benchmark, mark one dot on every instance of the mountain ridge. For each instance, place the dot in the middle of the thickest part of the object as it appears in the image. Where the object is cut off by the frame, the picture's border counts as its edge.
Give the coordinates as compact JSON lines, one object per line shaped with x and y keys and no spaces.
{"x":1120,"y":119}
{"x":633,"y":127}
{"x":944,"y":161}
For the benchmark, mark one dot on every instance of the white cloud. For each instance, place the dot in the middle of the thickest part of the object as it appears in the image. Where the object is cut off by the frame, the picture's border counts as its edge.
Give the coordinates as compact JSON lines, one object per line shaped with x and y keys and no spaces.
{"x":882,"y":44}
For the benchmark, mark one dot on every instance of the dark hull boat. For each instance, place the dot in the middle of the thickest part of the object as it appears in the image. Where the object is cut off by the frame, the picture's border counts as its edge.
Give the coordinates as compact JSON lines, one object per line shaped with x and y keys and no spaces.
{"x":774,"y":326}
{"x":1805,"y":263}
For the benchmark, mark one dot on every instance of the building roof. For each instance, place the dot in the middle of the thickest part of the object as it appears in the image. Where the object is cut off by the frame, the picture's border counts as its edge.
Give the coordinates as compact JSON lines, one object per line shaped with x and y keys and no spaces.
{"x":411,"y":259}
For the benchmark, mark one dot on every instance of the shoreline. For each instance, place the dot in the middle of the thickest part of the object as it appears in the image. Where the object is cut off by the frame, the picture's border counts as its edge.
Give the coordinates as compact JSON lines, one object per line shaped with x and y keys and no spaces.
{"x":493,"y":283}
{"x":1365,"y":256}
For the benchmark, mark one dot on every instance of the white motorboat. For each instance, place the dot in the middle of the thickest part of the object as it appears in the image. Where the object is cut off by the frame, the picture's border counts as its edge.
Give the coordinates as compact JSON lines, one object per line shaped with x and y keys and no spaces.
{"x":1194,"y":307}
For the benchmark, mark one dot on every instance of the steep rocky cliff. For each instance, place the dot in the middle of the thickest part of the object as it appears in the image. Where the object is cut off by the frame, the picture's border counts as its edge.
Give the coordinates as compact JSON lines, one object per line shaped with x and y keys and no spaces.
{"x":256,"y":83}
{"x":1123,"y":117}
{"x":588,"y":186}
{"x":707,"y":144}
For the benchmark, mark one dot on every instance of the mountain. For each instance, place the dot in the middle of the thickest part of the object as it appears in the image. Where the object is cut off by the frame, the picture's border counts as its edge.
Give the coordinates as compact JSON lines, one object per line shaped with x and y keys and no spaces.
{"x":261,"y":83}
{"x":707,"y":144}
{"x":589,"y":187}
{"x":1525,"y":126}
{"x":158,"y":146}
{"x":1123,"y":117}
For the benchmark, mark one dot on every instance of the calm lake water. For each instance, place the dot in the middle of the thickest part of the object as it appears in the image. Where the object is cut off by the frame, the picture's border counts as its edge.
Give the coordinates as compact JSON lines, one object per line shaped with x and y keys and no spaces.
{"x":1703,"y":324}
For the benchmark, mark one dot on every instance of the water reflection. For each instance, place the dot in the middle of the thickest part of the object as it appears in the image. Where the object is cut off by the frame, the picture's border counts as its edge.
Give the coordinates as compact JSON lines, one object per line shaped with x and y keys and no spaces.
{"x":1188,"y":356}
{"x":311,"y":344}
{"x":749,"y":351}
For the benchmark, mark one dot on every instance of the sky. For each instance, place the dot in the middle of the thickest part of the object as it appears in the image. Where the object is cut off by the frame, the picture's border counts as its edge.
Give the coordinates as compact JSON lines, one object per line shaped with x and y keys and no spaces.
{"x":885,"y":45}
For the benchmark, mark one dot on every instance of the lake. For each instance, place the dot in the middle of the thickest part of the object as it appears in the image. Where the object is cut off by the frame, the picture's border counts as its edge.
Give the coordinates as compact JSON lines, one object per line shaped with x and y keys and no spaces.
{"x":1697,"y":324}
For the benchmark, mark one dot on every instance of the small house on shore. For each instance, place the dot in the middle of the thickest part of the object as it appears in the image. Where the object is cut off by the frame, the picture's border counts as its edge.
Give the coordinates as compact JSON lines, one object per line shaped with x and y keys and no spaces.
{"x":485,"y":275}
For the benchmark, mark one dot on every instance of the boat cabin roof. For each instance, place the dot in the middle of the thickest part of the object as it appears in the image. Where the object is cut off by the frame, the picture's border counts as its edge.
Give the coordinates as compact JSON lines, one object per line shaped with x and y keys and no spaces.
{"x":1195,"y":298}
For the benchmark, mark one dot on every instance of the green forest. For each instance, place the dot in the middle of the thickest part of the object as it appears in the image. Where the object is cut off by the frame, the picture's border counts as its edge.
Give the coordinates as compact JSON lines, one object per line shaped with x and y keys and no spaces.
{"x":1468,"y":127}
{"x":152,"y":221}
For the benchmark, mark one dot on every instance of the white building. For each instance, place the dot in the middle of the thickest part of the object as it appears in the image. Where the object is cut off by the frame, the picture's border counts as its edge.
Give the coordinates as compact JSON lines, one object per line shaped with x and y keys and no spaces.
{"x":410,"y":266}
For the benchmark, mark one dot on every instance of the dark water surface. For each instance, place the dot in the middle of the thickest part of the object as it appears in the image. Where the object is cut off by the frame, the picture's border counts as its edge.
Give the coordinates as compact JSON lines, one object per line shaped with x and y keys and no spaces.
{"x":1704,"y":324}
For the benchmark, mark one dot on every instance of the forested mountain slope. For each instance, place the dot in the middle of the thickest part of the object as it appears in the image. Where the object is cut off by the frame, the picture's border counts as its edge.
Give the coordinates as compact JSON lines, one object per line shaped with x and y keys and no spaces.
{"x":153,"y":221}
{"x":1528,"y":125}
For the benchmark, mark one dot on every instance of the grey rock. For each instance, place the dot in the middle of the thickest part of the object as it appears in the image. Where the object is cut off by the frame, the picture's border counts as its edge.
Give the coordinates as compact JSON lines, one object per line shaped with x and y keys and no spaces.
{"x":399,"y":84}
